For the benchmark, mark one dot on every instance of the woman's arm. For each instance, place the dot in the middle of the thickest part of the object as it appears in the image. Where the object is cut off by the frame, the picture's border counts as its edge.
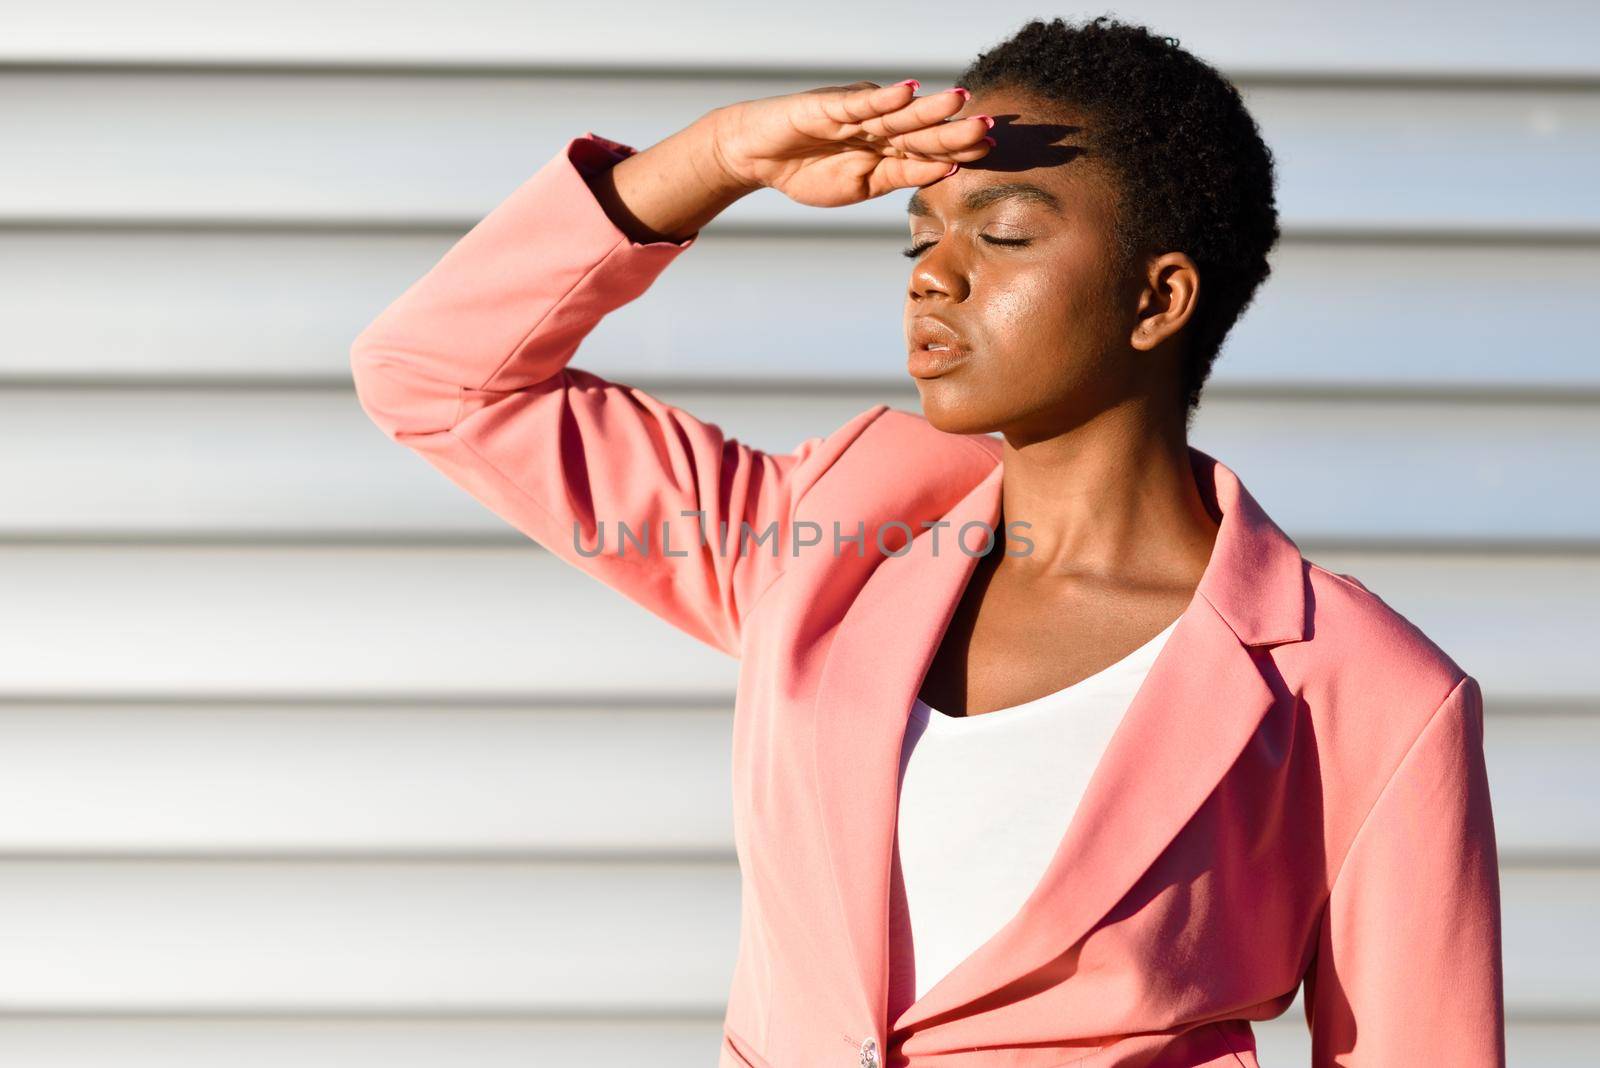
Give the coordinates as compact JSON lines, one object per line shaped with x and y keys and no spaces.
{"x":469,"y":366}
{"x":1408,"y":967}
{"x":672,"y":189}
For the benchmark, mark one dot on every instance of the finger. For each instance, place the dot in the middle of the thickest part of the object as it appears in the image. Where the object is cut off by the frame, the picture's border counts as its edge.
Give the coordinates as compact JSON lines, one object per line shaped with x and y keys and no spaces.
{"x":866,"y":101}
{"x":945,"y":140}
{"x":918,"y":113}
{"x":894,"y":174}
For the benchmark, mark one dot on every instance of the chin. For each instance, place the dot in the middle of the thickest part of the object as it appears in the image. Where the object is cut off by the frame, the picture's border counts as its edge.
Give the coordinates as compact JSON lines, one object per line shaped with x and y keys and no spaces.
{"x":950,"y":408}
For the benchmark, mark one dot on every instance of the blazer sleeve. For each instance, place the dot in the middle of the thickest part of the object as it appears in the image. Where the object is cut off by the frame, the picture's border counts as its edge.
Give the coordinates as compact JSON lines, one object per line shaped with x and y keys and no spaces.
{"x":469,"y":369}
{"x":1408,"y":964}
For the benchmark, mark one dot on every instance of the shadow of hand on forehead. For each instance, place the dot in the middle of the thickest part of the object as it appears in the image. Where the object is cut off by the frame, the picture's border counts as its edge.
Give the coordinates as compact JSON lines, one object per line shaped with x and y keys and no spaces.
{"x":1023,"y":146}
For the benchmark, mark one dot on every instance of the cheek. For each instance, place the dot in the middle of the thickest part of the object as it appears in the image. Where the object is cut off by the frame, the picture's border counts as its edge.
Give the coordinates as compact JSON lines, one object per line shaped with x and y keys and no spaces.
{"x":1055,"y":321}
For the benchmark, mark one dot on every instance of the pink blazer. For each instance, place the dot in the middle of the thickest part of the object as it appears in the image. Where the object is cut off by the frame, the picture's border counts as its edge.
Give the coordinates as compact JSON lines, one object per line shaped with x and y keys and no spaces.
{"x":1297,"y":794}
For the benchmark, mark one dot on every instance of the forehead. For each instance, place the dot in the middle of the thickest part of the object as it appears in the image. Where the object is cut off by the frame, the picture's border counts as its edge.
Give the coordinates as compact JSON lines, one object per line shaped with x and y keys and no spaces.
{"x":976,"y":197}
{"x":1043,"y":157}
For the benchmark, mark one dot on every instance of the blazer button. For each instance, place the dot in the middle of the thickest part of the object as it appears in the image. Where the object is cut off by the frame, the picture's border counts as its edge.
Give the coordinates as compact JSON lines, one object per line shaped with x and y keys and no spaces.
{"x":869,"y":1053}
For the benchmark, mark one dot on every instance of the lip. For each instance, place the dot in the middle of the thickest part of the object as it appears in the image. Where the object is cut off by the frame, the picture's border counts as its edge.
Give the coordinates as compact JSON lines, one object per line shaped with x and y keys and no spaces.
{"x":925,"y":363}
{"x":931,"y":329}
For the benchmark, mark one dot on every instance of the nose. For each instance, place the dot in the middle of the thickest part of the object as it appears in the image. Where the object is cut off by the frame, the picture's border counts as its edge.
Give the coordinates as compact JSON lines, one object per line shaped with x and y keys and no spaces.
{"x":936,"y":274}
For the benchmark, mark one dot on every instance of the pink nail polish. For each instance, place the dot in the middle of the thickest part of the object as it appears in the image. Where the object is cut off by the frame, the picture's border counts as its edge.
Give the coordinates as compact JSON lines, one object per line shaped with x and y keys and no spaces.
{"x":953,"y":168}
{"x":915,"y":85}
{"x":989,"y":139}
{"x":987,"y":119}
{"x":962,"y":91}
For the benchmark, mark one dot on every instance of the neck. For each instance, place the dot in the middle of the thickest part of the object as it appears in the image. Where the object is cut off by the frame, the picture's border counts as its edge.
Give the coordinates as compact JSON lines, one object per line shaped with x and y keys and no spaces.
{"x":1113,"y":496}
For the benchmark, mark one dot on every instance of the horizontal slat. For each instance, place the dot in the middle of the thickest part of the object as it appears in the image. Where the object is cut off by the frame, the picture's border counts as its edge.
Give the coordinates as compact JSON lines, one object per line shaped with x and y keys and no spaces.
{"x":397,"y":148}
{"x":263,"y":780}
{"x":292,"y":463}
{"x":1375,"y":470}
{"x":262,"y":305}
{"x":514,"y":1043}
{"x":690,"y":1041}
{"x":1541,"y":773}
{"x":1359,"y":35}
{"x":406,"y":623}
{"x":515,"y":936}
{"x":93,"y":621}
{"x":1284,"y":1043}
{"x":249,"y":779}
{"x":395,"y":937}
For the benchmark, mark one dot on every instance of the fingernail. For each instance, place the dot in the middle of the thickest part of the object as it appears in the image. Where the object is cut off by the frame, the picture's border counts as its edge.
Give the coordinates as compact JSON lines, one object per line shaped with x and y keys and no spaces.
{"x":953,"y":168}
{"x":962,"y":91}
{"x":989,"y":139}
{"x":915,"y":85}
{"x":988,"y":120}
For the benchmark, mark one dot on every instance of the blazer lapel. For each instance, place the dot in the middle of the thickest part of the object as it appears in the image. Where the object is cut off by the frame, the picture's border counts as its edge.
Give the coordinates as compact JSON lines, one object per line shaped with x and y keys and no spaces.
{"x":872,"y":672}
{"x":1203,"y":699}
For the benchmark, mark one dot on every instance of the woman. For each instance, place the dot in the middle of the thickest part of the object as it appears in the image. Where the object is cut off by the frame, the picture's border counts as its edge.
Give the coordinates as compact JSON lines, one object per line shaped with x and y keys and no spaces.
{"x":1049,"y":748}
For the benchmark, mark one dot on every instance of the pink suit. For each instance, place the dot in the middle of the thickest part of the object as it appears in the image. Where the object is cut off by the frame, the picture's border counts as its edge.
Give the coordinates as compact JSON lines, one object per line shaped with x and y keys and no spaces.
{"x":1297,"y":792}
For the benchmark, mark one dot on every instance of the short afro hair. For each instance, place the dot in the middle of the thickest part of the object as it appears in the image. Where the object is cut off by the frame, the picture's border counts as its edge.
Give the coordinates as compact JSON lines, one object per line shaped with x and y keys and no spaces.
{"x":1194,"y":175}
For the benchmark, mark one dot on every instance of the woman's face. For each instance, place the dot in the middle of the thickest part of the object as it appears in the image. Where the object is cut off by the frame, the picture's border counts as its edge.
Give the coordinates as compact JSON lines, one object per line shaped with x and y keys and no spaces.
{"x":1027,"y":282}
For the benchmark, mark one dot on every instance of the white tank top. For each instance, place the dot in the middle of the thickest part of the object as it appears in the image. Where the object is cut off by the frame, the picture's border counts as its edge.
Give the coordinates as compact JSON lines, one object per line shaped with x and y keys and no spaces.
{"x":984,"y":802}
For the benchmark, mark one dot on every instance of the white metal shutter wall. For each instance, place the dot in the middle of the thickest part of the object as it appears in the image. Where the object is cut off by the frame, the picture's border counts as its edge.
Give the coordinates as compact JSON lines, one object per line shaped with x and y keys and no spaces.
{"x":306,"y":759}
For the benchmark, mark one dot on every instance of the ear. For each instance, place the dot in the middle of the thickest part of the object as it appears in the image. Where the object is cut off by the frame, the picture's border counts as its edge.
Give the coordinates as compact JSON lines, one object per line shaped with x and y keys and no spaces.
{"x":1167,"y":301}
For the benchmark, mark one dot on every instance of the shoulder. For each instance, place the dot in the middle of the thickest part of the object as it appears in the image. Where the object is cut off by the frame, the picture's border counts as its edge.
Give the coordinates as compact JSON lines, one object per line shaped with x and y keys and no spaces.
{"x":1349,"y":614}
{"x":1369,"y":671}
{"x":1392,"y":715}
{"x":885,"y":452}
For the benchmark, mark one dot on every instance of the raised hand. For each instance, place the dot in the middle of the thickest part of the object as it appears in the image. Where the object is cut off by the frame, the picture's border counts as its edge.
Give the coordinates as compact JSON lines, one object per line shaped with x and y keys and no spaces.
{"x":840,"y":145}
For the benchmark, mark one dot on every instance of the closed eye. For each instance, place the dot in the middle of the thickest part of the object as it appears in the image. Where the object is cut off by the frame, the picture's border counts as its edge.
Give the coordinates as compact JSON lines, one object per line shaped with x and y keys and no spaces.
{"x":918,"y":249}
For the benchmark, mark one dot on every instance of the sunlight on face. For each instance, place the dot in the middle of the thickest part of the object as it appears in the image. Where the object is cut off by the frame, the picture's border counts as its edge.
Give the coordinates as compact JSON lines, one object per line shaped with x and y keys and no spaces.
{"x":1014,"y":267}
